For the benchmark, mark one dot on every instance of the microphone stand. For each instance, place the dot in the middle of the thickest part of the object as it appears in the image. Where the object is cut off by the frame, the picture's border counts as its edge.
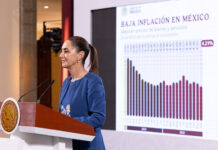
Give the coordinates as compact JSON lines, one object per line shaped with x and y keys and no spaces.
{"x":39,"y":99}
{"x":44,"y":82}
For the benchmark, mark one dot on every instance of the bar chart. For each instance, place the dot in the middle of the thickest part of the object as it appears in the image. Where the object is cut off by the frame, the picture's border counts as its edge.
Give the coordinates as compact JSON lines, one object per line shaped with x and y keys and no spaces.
{"x":180,"y":100}
{"x":165,"y":71}
{"x":164,"y":88}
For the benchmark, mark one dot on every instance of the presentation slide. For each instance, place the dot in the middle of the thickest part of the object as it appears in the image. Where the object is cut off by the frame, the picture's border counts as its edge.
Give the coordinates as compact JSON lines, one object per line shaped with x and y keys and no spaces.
{"x":166,"y":82}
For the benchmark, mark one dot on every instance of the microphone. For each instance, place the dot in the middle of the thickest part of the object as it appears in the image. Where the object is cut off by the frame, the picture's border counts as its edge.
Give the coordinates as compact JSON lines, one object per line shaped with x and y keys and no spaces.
{"x":42,"y":83}
{"x":39,"y":99}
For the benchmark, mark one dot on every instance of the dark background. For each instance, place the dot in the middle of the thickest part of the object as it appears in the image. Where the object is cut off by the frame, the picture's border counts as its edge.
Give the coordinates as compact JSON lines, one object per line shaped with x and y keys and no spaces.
{"x":104,"y":39}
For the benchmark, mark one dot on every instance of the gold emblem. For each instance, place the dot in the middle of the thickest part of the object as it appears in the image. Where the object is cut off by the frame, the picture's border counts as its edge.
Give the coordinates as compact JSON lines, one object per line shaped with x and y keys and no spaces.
{"x":9,"y":115}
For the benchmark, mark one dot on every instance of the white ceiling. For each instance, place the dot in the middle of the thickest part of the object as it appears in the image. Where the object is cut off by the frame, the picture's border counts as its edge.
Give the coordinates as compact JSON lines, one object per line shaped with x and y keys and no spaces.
{"x":52,"y":13}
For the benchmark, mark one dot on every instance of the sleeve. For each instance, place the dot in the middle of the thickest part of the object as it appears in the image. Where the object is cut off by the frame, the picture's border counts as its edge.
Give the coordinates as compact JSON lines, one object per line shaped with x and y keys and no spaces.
{"x":96,"y":105}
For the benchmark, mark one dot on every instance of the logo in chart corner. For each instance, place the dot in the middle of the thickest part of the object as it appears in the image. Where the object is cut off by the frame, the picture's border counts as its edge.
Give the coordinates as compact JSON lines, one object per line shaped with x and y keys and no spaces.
{"x":9,"y":115}
{"x":124,"y":11}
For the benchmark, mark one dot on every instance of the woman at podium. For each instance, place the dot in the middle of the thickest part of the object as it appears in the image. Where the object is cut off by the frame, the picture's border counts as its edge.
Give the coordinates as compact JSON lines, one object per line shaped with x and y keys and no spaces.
{"x":82,"y":95}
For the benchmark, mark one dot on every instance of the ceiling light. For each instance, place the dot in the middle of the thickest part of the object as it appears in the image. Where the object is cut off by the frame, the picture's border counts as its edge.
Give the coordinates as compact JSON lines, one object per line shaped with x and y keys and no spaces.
{"x":46,"y":7}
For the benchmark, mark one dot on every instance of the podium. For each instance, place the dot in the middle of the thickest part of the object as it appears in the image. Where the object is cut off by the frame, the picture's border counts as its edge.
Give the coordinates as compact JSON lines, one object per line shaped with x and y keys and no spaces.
{"x":39,"y":124}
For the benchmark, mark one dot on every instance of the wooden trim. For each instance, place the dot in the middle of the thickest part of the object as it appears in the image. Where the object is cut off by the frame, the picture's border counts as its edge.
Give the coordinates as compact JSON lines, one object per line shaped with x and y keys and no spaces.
{"x":27,"y":113}
{"x":37,"y":115}
{"x":50,"y":119}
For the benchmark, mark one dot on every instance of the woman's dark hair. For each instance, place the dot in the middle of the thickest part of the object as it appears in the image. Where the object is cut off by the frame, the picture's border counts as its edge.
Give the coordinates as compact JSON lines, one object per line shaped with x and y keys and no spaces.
{"x":82,"y":45}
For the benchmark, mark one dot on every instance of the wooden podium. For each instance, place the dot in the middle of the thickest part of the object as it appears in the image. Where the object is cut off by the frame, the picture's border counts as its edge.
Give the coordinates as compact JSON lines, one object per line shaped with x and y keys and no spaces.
{"x":42,"y":122}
